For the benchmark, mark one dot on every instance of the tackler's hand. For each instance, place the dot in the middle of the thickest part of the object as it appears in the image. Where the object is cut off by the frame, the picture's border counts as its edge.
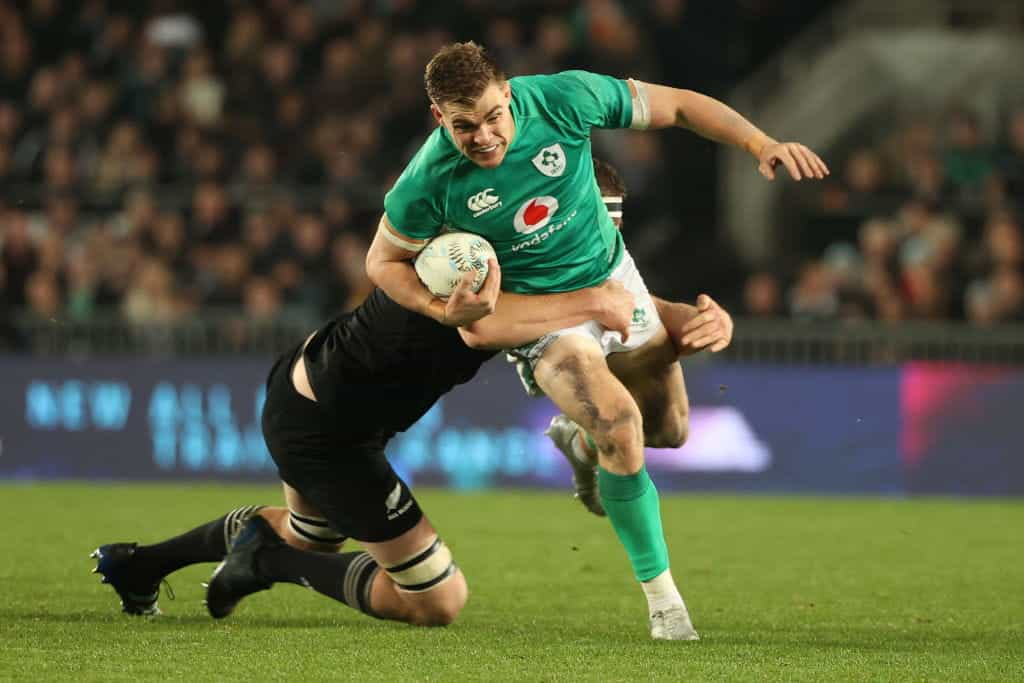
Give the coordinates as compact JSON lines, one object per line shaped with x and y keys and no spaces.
{"x":710,"y":329}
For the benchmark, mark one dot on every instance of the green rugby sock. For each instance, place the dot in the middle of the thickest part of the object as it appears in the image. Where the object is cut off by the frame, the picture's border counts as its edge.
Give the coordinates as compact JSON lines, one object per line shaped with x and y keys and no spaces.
{"x":631,"y":502}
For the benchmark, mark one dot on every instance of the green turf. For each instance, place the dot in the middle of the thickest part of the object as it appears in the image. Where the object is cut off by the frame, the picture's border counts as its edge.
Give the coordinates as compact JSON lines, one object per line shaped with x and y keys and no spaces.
{"x":780,"y":589}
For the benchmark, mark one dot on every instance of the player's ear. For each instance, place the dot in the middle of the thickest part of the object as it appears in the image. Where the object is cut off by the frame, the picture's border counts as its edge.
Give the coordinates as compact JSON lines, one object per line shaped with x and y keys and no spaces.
{"x":506,"y":90}
{"x":438,"y":116}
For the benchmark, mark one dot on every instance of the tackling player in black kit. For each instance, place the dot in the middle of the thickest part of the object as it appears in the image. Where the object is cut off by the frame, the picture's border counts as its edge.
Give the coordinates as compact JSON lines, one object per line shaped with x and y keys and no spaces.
{"x":333,"y":402}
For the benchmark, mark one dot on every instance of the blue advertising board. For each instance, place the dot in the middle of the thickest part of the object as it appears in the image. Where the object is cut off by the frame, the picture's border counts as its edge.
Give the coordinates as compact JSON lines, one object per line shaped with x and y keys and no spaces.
{"x":752,"y":428}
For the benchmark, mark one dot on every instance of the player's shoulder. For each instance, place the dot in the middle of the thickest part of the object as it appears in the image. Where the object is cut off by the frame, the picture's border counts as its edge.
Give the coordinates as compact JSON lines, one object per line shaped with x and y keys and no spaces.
{"x":431,"y":164}
{"x":557,"y":88}
{"x":434,"y":160}
{"x":415,"y":204}
{"x":573,"y":100}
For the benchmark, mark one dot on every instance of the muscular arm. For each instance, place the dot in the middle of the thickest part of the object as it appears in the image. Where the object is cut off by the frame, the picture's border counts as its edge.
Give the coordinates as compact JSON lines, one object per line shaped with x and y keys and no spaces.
{"x":674,"y":311}
{"x":674,"y":316}
{"x":706,"y":116}
{"x":709,"y":118}
{"x":389,"y":266}
{"x":522,"y":318}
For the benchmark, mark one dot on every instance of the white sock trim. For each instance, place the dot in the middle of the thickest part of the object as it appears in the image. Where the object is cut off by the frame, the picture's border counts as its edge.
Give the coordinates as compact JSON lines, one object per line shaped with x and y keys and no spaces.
{"x":661,"y":593}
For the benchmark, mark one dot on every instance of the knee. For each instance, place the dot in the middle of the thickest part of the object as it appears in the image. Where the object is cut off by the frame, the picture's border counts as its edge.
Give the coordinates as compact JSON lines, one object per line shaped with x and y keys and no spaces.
{"x":671,"y":432}
{"x":430,"y":587}
{"x":446,"y":608}
{"x":620,"y":436}
{"x":443,"y":614}
{"x":626,"y":431}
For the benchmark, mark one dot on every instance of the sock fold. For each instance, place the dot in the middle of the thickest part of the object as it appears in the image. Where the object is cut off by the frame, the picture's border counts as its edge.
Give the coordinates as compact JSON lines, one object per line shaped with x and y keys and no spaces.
{"x":623,"y":487}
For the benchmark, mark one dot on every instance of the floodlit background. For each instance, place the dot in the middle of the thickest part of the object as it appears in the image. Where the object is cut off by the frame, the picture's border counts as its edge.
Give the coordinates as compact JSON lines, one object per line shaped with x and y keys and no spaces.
{"x":189,"y":187}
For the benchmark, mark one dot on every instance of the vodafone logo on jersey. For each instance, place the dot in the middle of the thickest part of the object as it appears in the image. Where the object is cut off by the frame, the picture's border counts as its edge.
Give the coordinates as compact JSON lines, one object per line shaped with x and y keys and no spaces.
{"x":535,"y":214}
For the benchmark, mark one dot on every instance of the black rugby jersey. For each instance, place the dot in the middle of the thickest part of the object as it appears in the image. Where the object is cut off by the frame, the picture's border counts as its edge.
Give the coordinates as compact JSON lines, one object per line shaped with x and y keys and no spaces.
{"x":385,"y":366}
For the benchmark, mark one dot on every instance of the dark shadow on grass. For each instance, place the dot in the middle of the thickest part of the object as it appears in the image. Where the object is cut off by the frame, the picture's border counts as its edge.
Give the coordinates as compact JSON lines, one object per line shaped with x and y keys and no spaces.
{"x":170,"y":621}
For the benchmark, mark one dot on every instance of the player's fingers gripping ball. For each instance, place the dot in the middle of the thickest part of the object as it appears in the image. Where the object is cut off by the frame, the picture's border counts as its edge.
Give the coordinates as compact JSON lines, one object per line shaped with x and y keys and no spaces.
{"x":446,"y":258}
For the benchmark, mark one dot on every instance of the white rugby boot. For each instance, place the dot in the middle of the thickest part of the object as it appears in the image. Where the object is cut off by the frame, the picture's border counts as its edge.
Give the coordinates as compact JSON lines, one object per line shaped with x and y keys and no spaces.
{"x":562,"y":431}
{"x":672,"y":624}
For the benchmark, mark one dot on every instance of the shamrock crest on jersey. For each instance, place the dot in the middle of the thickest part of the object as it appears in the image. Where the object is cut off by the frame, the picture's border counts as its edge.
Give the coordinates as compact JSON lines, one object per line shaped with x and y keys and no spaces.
{"x":550,"y":161}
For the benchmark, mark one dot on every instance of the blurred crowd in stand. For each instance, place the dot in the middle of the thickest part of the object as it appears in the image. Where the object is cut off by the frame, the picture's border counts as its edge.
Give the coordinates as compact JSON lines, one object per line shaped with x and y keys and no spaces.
{"x":924,"y":225}
{"x":161,"y":160}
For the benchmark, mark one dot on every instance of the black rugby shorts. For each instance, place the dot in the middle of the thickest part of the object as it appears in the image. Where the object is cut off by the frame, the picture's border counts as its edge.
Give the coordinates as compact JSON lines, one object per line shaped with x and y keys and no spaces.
{"x":336,"y":462}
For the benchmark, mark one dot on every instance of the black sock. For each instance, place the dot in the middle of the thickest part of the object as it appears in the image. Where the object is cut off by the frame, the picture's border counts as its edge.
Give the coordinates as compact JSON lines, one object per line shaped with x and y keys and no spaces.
{"x":206,"y":543}
{"x":346,"y":577}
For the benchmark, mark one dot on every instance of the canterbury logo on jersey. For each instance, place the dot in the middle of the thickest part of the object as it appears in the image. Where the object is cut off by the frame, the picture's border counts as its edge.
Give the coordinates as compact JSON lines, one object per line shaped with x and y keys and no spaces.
{"x":482,"y":202}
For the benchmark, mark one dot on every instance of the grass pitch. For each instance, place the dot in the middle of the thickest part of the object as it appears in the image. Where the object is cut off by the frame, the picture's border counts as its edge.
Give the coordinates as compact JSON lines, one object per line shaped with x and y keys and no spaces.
{"x":783,"y":589}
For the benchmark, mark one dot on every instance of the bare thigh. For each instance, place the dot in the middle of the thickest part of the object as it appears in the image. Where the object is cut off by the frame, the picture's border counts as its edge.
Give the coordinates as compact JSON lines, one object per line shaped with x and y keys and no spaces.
{"x":575,"y":376}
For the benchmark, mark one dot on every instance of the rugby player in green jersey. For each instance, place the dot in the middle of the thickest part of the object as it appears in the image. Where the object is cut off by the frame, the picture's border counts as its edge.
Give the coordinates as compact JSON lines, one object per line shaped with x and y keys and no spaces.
{"x":342,"y":482}
{"x":511,"y":160}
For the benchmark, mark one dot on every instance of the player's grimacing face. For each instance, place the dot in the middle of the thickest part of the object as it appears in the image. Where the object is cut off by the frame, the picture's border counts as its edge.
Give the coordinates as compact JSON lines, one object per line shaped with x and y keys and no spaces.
{"x":482,"y":133}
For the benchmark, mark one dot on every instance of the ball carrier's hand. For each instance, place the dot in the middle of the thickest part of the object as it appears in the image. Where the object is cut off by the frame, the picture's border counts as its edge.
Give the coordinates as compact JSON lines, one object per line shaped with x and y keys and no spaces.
{"x":799,"y":160}
{"x":465,"y":306}
{"x":617,"y":315}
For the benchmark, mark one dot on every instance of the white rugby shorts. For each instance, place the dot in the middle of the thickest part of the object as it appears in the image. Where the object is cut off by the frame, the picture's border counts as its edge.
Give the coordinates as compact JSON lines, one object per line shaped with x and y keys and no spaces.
{"x":644,"y":326}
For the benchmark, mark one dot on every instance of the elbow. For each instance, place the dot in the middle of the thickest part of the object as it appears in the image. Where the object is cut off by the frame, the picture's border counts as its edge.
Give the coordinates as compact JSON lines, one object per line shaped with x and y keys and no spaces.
{"x":373,"y":267}
{"x":476,"y":338}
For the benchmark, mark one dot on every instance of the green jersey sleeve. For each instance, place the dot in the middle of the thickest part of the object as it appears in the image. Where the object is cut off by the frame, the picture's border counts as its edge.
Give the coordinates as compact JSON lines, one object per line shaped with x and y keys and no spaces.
{"x":586,"y":100}
{"x":413,"y":205}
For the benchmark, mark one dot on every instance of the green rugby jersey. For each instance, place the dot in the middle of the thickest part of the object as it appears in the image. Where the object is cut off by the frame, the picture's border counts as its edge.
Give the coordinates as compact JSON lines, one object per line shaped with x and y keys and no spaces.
{"x":541,"y":207}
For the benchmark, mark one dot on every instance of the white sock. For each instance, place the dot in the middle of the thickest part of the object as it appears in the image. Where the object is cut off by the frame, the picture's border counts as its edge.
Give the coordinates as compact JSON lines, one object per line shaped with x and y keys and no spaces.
{"x":578,"y":450}
{"x":662,"y":593}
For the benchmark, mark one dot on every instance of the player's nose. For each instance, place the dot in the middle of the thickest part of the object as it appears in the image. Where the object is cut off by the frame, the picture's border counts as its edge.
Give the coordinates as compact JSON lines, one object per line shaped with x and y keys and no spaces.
{"x":483,"y":137}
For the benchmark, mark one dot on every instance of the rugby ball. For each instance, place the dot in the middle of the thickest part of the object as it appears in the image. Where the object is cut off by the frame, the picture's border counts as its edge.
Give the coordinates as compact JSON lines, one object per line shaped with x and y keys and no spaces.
{"x":441,"y":264}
